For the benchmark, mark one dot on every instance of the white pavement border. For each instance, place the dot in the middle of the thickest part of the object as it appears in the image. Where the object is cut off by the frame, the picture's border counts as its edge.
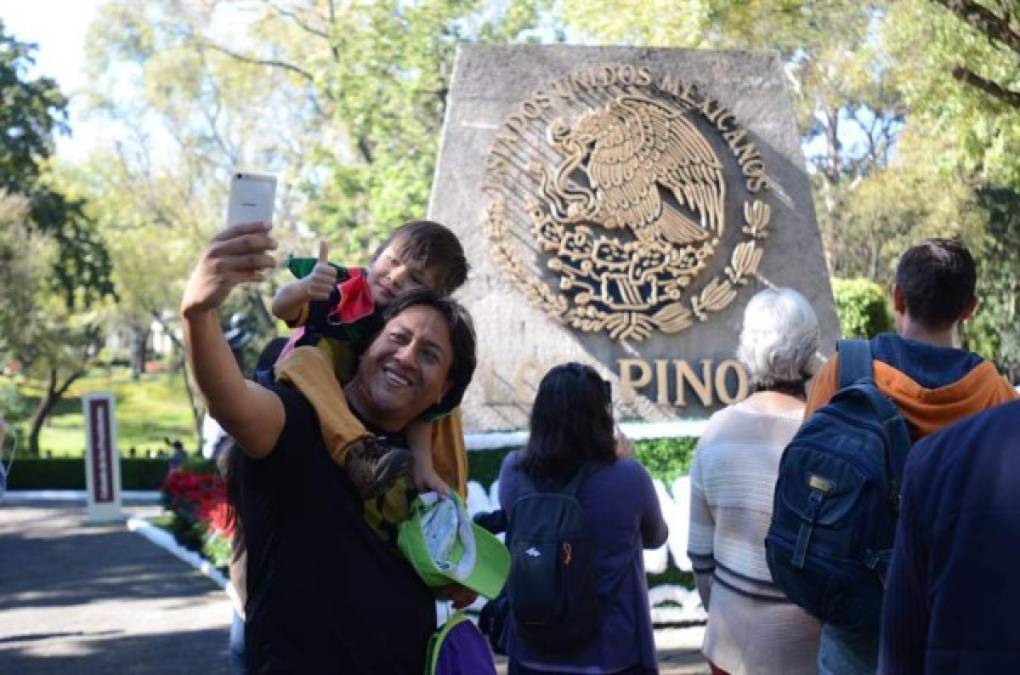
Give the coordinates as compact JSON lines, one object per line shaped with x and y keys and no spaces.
{"x":636,"y":431}
{"x":28,"y":497}
{"x":166,"y":541}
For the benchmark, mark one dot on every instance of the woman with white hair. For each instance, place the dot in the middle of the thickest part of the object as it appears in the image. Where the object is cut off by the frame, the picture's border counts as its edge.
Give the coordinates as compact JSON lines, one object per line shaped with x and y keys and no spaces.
{"x":752,"y":627}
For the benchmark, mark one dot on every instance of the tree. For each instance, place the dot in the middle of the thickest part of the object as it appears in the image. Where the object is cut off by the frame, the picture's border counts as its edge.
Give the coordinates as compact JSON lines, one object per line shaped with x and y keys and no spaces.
{"x":969,"y":139}
{"x":347,"y":98}
{"x":999,"y":23}
{"x":32,"y":111}
{"x":995,"y":330}
{"x":55,"y":265}
{"x":49,"y":342}
{"x":153,"y":242}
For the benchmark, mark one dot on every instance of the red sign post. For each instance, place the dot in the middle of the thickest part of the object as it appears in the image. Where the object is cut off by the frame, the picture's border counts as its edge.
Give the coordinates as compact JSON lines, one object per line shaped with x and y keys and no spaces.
{"x":102,"y":461}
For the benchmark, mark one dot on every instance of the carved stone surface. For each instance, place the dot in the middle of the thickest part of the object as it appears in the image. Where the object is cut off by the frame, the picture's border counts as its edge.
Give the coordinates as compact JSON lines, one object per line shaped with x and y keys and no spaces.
{"x":619,"y":206}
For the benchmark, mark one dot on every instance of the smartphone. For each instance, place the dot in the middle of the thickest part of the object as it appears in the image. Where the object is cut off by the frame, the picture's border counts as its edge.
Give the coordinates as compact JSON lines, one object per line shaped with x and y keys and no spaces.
{"x":251,"y":198}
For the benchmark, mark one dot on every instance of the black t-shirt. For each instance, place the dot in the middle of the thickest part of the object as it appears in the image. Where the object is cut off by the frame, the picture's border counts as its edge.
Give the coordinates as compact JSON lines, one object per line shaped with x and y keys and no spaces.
{"x":325,"y":594}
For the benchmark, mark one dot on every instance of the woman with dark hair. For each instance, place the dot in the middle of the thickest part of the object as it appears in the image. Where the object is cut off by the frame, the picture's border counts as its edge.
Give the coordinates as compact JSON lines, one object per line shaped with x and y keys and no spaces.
{"x":572,"y":437}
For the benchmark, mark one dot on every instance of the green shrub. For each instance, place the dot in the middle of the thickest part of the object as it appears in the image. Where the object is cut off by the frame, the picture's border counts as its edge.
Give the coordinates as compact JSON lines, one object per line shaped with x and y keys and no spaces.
{"x":483,"y":465}
{"x":666,"y":458}
{"x":13,"y":406}
{"x":65,"y":473}
{"x":862,"y":308}
{"x":142,"y":474}
{"x":671,"y":575}
{"x":216,"y":549}
{"x":198,"y":464}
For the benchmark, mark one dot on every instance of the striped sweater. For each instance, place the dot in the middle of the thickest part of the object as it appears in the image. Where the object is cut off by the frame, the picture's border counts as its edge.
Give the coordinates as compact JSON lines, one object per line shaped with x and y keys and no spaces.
{"x":752,"y":628}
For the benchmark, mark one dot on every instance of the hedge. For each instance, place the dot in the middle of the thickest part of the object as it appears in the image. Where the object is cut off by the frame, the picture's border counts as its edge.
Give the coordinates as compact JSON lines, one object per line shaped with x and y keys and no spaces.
{"x":665,"y":459}
{"x":68,"y":473}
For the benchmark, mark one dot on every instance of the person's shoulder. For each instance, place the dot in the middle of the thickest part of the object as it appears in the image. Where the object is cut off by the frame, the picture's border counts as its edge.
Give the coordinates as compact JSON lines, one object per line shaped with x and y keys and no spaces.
{"x":510,"y":463}
{"x":718,"y":423}
{"x":298,"y":411}
{"x":953,"y":467}
{"x":723,"y":427}
{"x":624,"y":473}
{"x":1003,"y":421}
{"x":286,"y":392}
{"x":988,"y":431}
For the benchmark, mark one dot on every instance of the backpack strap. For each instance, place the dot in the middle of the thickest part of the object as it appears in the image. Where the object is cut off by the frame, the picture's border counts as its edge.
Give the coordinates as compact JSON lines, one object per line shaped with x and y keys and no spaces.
{"x":855,"y":361}
{"x":893,"y":428}
{"x":527,"y":486}
{"x":436,"y":641}
{"x":574,"y":484}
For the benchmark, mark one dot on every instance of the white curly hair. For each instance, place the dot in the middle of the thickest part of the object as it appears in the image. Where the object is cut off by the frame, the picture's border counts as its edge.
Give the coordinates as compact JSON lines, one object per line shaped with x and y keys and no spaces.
{"x":779,"y":338}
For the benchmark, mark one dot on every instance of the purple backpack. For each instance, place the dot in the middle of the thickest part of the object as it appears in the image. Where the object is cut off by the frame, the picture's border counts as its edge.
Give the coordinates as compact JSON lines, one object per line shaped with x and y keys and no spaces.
{"x":458,"y":648}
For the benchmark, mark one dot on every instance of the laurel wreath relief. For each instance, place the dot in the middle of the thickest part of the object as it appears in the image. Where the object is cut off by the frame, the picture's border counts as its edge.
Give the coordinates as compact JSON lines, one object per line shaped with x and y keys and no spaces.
{"x":716,"y":295}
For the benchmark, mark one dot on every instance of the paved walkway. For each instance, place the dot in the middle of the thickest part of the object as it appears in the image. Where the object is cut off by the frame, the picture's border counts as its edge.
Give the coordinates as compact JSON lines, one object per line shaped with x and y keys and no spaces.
{"x":89,"y":599}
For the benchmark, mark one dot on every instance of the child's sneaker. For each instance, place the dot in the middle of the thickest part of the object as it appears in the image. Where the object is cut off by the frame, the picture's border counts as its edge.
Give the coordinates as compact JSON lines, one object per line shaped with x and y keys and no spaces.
{"x":374,"y":466}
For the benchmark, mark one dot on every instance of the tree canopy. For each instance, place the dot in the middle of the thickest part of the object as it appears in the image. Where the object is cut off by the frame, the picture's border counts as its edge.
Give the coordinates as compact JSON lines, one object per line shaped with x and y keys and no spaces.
{"x":33,"y":110}
{"x":908,"y":113}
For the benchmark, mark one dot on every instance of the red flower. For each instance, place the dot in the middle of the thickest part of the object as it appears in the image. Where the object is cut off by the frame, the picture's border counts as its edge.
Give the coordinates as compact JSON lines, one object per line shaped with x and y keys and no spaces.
{"x":200,"y":499}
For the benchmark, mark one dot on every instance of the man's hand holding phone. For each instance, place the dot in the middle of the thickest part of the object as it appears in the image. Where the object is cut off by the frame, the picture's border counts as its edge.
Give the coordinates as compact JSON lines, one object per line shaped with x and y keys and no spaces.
{"x":237,"y":255}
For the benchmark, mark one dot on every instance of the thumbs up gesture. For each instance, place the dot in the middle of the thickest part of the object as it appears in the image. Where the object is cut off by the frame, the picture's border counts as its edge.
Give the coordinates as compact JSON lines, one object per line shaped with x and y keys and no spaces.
{"x":319,"y":284}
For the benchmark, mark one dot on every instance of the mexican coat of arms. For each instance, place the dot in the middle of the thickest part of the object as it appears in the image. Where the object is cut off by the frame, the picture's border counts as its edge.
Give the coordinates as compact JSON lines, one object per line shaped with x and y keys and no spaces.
{"x":608,"y":179}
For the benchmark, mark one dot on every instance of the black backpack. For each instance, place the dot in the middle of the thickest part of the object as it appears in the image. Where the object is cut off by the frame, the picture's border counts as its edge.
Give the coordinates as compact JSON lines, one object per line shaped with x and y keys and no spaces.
{"x":551,"y":590}
{"x":837,"y":499}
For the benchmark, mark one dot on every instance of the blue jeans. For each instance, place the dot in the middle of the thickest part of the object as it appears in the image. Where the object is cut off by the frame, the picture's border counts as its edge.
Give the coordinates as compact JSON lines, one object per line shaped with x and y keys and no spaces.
{"x":845,"y":652}
{"x":237,"y":660}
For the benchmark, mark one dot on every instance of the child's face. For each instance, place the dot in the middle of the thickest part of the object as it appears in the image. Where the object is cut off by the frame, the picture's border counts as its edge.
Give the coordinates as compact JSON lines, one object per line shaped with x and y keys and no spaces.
{"x":391,"y":274}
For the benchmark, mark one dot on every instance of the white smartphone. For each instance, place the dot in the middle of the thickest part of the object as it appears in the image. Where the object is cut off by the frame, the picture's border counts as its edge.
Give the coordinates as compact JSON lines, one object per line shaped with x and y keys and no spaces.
{"x":251,"y":198}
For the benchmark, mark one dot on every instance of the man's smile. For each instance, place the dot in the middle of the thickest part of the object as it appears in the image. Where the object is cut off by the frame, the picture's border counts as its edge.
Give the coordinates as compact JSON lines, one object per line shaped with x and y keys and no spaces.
{"x":396,"y":378}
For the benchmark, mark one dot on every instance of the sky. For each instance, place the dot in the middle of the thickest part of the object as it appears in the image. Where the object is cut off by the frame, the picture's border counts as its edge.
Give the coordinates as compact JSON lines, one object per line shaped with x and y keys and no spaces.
{"x":58,"y":27}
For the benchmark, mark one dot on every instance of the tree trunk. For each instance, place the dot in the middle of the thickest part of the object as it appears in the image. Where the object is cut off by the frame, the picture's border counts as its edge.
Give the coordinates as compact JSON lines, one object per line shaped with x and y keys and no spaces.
{"x":196,"y":410}
{"x":48,"y":401}
{"x":139,"y":350}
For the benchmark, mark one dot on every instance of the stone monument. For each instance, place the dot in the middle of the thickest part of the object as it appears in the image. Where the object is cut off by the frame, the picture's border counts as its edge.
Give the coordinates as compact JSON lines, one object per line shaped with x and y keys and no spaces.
{"x":619,"y":206}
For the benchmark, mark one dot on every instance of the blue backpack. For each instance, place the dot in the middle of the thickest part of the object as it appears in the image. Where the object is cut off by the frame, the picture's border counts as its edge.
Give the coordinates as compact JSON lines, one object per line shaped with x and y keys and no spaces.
{"x":837,"y":499}
{"x":551,"y":590}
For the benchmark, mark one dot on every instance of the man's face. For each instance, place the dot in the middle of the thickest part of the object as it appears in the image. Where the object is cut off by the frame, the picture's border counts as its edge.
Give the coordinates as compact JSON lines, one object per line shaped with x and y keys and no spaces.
{"x":392,"y":273}
{"x":406,"y":369}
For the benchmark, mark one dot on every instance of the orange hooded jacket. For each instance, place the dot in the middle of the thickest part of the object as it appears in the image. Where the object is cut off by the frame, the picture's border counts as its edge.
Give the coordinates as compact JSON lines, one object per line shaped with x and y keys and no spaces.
{"x":932,"y":386}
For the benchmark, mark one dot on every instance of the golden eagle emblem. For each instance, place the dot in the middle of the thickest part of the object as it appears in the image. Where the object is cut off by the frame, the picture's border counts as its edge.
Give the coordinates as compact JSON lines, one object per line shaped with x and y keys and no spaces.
{"x":630,"y":153}
{"x":626,"y":199}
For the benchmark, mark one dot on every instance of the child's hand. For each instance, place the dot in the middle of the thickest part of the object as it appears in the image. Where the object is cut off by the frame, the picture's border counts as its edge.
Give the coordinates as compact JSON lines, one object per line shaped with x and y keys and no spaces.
{"x":426,"y":479}
{"x":460,"y":596}
{"x":624,"y":448}
{"x":319,"y":284}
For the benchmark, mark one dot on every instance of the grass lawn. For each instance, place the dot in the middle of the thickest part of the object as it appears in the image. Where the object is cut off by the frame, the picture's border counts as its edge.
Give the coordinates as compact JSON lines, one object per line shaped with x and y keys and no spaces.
{"x":149,"y":409}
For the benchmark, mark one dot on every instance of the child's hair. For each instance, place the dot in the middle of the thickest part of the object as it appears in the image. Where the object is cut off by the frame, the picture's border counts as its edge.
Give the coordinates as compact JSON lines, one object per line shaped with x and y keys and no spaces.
{"x":435,"y":248}
{"x":571,"y":423}
{"x":937,"y":278}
